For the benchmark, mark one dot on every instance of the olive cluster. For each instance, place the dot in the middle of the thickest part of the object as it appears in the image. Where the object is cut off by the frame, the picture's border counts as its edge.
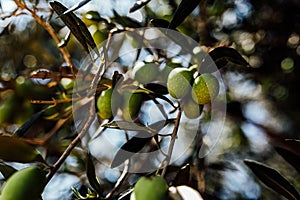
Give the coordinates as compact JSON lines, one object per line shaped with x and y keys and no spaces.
{"x":181,"y":84}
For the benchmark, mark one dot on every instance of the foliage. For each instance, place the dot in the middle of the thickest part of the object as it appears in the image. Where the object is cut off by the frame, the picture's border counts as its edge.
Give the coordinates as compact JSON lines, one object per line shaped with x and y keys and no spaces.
{"x":256,"y":54}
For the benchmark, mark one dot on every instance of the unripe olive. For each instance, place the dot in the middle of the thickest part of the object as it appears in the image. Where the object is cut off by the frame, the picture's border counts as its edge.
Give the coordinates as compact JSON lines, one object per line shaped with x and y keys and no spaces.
{"x":205,"y":88}
{"x":167,"y":70}
{"x":150,"y":188}
{"x":131,"y":105}
{"x":104,"y":104}
{"x":28,"y":183}
{"x":179,"y":82}
{"x":145,"y":73}
{"x":191,"y":109}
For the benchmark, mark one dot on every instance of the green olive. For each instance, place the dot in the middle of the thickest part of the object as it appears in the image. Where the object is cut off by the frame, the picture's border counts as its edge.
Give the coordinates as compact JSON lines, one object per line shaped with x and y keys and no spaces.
{"x":150,"y":188}
{"x":205,"y":88}
{"x":28,"y":183}
{"x":104,"y":104}
{"x":191,"y":109}
{"x":131,"y":105}
{"x":145,"y":73}
{"x":179,"y":82}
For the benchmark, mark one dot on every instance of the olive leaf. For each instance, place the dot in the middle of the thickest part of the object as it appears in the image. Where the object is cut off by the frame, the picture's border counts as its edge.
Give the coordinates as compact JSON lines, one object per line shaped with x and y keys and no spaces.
{"x":290,"y":157}
{"x":220,"y":56}
{"x":132,"y":146}
{"x":125,"y":21}
{"x":159,"y":23}
{"x":6,"y":170}
{"x":26,"y":126}
{"x":14,"y":149}
{"x":91,"y":174}
{"x":76,"y":25}
{"x":183,"y":10}
{"x":75,"y":7}
{"x":139,"y":4}
{"x":273,"y":179}
{"x":128,"y":126}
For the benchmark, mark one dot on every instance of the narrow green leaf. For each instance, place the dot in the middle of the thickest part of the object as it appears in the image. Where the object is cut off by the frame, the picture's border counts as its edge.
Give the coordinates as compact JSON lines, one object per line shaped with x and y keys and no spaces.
{"x":132,"y":146}
{"x":273,"y":179}
{"x":221,"y":56}
{"x":183,"y":10}
{"x":6,"y":170}
{"x":290,"y":157}
{"x":14,"y":149}
{"x":91,"y":174}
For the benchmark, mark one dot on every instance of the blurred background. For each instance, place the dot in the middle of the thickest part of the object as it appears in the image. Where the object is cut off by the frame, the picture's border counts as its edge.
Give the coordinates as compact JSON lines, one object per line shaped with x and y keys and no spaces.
{"x":262,"y":101}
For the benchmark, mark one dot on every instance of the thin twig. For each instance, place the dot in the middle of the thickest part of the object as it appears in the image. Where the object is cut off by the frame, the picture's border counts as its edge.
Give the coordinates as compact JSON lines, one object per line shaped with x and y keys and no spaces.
{"x":120,"y":180}
{"x":172,"y":143}
{"x":51,"y":32}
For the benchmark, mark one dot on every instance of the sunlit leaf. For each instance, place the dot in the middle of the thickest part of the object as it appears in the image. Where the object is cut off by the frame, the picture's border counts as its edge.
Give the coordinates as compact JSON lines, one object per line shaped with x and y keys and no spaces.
{"x":132,"y":146}
{"x":183,"y":10}
{"x":139,"y":4}
{"x":125,"y":21}
{"x":128,"y":126}
{"x":75,"y":7}
{"x":220,"y":56}
{"x":14,"y":149}
{"x":184,"y":192}
{"x":273,"y":179}
{"x":290,"y":157}
{"x":6,"y":170}
{"x":91,"y":174}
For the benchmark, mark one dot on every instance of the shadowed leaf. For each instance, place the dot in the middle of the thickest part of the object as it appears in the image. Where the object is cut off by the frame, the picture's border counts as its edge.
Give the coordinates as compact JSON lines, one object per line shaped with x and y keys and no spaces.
{"x":132,"y":146}
{"x":157,"y":88}
{"x":76,"y":25}
{"x":139,"y":4}
{"x":183,"y":10}
{"x":75,"y":7}
{"x":220,"y":56}
{"x":91,"y":174}
{"x":14,"y":149}
{"x":159,"y":23}
{"x":273,"y":179}
{"x":6,"y":170}
{"x":25,"y":127}
{"x":290,"y":157}
{"x":183,"y":176}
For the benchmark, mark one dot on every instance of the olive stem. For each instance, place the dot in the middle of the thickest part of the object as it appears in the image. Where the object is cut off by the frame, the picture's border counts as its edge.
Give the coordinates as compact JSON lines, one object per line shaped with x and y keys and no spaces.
{"x":51,"y":32}
{"x":89,"y":99}
{"x":172,"y":142}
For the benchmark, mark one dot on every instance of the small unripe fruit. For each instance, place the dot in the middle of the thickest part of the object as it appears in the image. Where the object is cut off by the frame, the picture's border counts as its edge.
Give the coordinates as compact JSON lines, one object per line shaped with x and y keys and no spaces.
{"x":131,"y":105}
{"x":179,"y":82}
{"x":167,"y":70}
{"x":25,"y":184}
{"x":145,"y":73}
{"x":150,"y":188}
{"x":205,"y":89}
{"x":191,"y":109}
{"x":104,"y":104}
